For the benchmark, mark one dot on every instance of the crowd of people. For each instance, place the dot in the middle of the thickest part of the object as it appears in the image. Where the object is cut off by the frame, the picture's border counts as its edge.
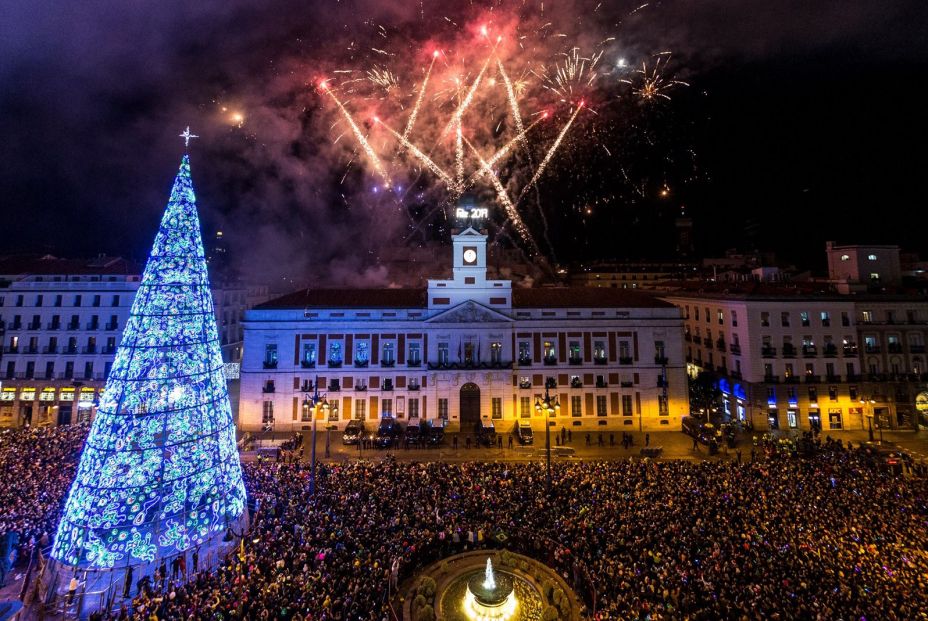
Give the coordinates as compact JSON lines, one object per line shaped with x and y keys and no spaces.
{"x":826,"y":536}
{"x":37,"y":467}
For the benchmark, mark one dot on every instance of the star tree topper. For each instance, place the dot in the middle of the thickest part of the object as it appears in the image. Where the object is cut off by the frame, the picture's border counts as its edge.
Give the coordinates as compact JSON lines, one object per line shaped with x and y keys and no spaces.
{"x":186,"y":135}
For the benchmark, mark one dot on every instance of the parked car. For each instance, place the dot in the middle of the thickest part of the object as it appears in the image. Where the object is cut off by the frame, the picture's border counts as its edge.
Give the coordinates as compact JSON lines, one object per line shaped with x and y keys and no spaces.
{"x":387,"y":433}
{"x":434,"y":432}
{"x":702,"y":431}
{"x":485,"y":433}
{"x":523,"y":433}
{"x":413,"y":432}
{"x":354,"y":431}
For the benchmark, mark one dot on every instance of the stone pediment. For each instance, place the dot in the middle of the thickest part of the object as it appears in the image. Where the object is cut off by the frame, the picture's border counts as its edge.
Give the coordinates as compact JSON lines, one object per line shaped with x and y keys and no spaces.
{"x":469,"y":312}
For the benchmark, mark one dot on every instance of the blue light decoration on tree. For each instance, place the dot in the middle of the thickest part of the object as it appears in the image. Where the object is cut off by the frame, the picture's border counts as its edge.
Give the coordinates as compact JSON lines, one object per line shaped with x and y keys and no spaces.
{"x":160,"y":472}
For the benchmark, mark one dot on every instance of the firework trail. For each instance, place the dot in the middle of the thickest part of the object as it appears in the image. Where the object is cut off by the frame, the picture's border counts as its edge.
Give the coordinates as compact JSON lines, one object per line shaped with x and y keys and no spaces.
{"x":513,"y":102}
{"x":362,"y":140}
{"x":504,"y":150}
{"x":441,"y":174}
{"x":550,"y":153}
{"x":508,"y":205}
{"x":415,"y":110}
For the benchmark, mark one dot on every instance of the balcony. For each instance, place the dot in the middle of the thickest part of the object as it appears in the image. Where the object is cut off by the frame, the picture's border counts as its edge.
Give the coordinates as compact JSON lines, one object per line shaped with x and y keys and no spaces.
{"x":307,"y":386}
{"x":735,"y":349}
{"x":601,"y":360}
{"x":873,"y":349}
{"x":360,"y":363}
{"x":525,"y":385}
{"x":74,"y":326}
{"x":851,"y":378}
{"x":69,"y":350}
{"x":550,"y":361}
{"x":387,"y":364}
{"x":830,"y":351}
{"x":335,"y":364}
{"x":334,"y":387}
{"x":575,"y":361}
{"x":736,"y":374}
{"x":894,"y":348}
{"x":789,"y":351}
{"x":625,"y":360}
{"x":850,"y":350}
{"x":768,"y":352}
{"x":809,"y":351}
{"x":720,"y":344}
{"x":916,"y":349}
{"x":31,"y":349}
{"x":602,"y":384}
{"x":414,"y":363}
{"x":66,"y":375}
{"x":413,"y":387}
{"x":360,"y":387}
{"x":308,"y":364}
{"x":524,"y":362}
{"x":268,"y":388}
{"x":772,"y":379}
{"x":34,"y":325}
{"x":813,"y":379}
{"x":90,"y":349}
{"x":576,"y":383}
{"x":55,"y":325}
{"x":112,"y":326}
{"x":626,"y":384}
{"x":661,"y":360}
{"x":11,"y":350}
{"x":707,"y":342}
{"x":270,"y":364}
{"x":93,"y":325}
{"x":16,"y":325}
{"x":50,"y":350}
{"x":792,"y":379}
{"x":387,"y":385}
{"x":832,"y":379}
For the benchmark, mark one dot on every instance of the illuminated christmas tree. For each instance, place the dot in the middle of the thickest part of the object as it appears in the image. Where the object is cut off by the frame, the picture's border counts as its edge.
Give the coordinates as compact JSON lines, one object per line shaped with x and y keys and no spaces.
{"x":160,"y":473}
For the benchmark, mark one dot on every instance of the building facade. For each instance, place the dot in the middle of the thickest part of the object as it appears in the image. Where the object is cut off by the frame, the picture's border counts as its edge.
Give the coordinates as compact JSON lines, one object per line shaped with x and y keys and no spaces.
{"x":466,"y":349}
{"x":810,"y":361}
{"x":61,"y":321}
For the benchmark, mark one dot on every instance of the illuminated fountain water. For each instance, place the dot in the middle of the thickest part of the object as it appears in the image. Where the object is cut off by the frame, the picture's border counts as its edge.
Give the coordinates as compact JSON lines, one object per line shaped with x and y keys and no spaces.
{"x":490,"y":599}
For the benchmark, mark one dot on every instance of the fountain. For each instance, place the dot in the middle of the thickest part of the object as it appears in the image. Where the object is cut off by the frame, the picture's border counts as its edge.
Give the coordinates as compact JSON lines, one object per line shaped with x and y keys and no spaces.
{"x":490,"y":599}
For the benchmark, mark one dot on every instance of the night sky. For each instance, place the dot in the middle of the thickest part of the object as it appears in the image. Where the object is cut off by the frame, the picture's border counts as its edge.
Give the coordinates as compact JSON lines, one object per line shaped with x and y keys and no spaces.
{"x":801,"y":122}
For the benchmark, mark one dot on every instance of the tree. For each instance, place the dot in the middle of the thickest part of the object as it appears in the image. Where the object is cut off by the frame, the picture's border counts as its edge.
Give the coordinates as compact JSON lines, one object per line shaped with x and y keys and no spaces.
{"x":159,"y":473}
{"x":704,"y":394}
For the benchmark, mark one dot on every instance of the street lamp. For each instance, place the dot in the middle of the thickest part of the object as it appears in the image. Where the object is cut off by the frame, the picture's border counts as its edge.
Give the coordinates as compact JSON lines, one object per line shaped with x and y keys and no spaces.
{"x":870,"y":420}
{"x":549,"y":409}
{"x":314,"y":403}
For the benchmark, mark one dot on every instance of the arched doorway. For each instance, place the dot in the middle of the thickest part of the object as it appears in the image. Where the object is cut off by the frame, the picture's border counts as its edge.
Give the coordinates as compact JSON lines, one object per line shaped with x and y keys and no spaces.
{"x":470,"y":406}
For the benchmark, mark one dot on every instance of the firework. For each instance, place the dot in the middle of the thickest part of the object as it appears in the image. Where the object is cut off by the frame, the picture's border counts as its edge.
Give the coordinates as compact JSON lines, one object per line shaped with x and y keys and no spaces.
{"x":513,"y":102}
{"x":362,"y":140}
{"x":550,"y":153}
{"x":415,"y":109}
{"x":504,"y":150}
{"x":572,"y":73}
{"x":384,"y":78}
{"x":653,"y":84}
{"x":431,"y":165}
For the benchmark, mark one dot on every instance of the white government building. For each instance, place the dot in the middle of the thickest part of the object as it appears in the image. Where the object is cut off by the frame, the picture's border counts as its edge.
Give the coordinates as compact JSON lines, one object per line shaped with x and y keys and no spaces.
{"x":464,"y":349}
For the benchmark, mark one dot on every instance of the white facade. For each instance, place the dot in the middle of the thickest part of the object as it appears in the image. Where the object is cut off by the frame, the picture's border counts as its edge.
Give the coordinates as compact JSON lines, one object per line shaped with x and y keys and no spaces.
{"x":792,"y":362}
{"x":61,"y":322}
{"x":463,"y":349}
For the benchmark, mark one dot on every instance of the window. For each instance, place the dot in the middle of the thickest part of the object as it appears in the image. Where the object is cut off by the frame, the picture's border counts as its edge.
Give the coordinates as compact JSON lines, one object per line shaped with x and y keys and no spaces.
{"x":360,"y":408}
{"x":871,"y":257}
{"x":659,"y":350}
{"x":38,"y":300}
{"x":721,"y":317}
{"x":768,"y":369}
{"x":601,"y":405}
{"x":813,"y":394}
{"x":765,"y":319}
{"x":496,"y":407}
{"x":866,"y":316}
{"x":309,"y":355}
{"x":525,"y":407}
{"x":624,"y":354}
{"x":362,"y":353}
{"x":270,"y":354}
{"x":115,"y":301}
{"x":771,"y":395}
{"x":389,"y":354}
{"x":57,"y":300}
{"x":443,"y":355}
{"x":788,"y":370}
{"x":734,"y":319}
{"x":845,"y":257}
{"x":443,"y":409}
{"x":415,"y":353}
{"x":599,"y":351}
{"x":576,"y":405}
{"x":550,"y":351}
{"x":845,"y":319}
{"x":696,"y":312}
{"x":96,"y":300}
{"x":19,"y":300}
{"x":267,"y":413}
{"x":335,"y":352}
{"x":525,"y":352}
{"x":833,"y":393}
{"x":784,"y":319}
{"x":662,"y":408}
{"x":386,"y":408}
{"x":413,"y":407}
{"x":574,"y":349}
{"x":626,"y":405}
{"x":496,"y":352}
{"x":803,"y":319}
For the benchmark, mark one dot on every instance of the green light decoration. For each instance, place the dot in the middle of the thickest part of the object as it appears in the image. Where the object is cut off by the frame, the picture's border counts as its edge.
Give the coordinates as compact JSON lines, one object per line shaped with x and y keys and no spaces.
{"x":160,"y":473}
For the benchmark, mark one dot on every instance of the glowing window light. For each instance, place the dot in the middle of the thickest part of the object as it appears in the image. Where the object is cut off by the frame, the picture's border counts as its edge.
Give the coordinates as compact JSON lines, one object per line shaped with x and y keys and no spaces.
{"x":159,"y":473}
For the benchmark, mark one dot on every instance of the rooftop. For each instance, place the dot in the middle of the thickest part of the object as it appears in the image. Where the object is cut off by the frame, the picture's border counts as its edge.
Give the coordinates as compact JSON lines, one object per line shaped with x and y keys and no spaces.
{"x":20,"y":266}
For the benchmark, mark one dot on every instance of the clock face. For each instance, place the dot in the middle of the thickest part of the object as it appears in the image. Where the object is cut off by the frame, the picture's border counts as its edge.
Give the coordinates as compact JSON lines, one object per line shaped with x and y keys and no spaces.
{"x":470,"y":255}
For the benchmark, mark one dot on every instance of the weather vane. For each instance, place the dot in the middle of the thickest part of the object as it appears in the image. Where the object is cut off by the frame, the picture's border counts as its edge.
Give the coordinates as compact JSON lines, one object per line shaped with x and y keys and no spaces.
{"x":187,"y":136}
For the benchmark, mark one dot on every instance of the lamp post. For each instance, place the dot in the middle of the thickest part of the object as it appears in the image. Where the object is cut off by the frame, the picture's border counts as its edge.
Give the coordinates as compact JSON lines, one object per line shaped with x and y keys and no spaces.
{"x":313,"y":403}
{"x":870,"y":419}
{"x":549,"y":408}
